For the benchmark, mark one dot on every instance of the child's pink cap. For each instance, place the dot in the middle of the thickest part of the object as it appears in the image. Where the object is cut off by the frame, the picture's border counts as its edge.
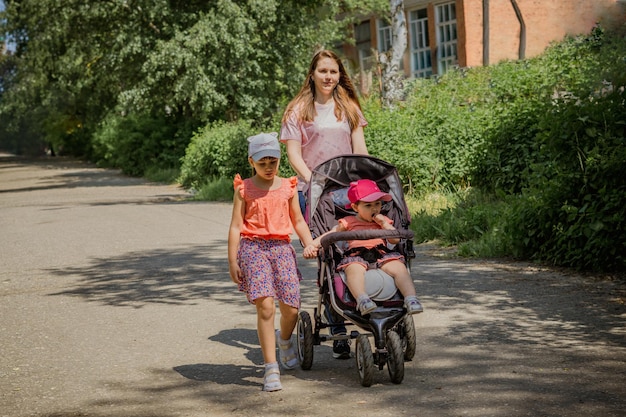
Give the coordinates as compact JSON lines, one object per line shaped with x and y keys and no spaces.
{"x":365,"y":190}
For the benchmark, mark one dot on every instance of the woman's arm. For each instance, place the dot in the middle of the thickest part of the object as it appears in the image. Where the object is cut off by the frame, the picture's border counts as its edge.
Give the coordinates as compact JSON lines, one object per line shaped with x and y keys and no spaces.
{"x":294,"y":154}
{"x":358,"y":141}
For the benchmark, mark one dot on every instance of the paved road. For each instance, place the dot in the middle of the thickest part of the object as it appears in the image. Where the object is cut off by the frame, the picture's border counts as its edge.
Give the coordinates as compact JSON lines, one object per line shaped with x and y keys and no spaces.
{"x":115,"y":301}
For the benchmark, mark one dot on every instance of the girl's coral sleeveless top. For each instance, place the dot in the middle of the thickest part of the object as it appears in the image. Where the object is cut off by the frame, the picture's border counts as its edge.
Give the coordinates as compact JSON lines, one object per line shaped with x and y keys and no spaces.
{"x":266,"y":212}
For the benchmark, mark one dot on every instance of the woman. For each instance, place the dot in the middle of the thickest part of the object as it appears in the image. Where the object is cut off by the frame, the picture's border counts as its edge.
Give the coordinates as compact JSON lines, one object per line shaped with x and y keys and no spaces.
{"x":324,"y":120}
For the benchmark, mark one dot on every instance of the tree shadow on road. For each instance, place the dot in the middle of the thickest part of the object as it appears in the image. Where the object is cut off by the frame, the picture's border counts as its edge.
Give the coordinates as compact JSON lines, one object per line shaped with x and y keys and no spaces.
{"x":68,"y":173}
{"x":162,"y":276}
{"x":221,"y":373}
{"x":493,"y":341}
{"x":524,"y":304}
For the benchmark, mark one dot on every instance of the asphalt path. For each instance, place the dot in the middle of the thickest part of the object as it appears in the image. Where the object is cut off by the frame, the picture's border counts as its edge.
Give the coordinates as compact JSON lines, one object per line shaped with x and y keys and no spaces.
{"x":115,"y":301}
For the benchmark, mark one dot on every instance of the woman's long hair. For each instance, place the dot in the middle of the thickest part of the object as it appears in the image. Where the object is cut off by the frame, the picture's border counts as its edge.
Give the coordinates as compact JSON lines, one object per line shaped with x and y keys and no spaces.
{"x":346,"y":100}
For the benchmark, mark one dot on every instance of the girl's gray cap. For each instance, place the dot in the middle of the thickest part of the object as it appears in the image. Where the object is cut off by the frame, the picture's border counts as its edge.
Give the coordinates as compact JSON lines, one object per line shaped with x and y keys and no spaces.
{"x":263,"y":145}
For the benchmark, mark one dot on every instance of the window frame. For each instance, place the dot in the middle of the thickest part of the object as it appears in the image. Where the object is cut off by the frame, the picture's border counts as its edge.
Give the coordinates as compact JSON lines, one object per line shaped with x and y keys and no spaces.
{"x":419,"y":44}
{"x":446,"y":37}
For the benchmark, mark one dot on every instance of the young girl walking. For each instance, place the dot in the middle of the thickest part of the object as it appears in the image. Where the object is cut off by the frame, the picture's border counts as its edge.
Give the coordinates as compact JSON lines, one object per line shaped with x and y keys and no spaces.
{"x":261,"y":259}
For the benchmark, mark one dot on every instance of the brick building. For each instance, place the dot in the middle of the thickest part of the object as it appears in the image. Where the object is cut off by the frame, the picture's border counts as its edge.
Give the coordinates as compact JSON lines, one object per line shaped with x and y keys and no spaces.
{"x":467,"y":33}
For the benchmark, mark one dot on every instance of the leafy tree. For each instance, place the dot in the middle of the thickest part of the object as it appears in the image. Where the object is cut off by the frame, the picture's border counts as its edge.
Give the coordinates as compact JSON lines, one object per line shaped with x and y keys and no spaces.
{"x":192,"y":62}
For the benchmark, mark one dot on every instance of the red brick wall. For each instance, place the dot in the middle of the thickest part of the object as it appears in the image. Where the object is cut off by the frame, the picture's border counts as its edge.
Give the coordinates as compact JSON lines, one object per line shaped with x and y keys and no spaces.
{"x":546,"y":21}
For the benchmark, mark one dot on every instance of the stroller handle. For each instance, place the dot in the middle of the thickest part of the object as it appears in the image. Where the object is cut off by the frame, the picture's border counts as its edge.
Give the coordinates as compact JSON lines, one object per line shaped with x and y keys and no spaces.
{"x":331,"y":238}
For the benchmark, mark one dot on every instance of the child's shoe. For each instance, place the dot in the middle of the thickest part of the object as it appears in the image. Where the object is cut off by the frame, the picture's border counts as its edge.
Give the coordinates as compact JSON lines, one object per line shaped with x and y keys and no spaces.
{"x":365,"y":305}
{"x":271,"y":379}
{"x":413,"y":305}
{"x":286,"y":353}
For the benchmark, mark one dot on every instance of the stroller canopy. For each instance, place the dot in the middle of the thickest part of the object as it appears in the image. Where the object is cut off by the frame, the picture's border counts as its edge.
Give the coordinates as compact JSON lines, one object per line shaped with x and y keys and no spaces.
{"x":334,"y":177}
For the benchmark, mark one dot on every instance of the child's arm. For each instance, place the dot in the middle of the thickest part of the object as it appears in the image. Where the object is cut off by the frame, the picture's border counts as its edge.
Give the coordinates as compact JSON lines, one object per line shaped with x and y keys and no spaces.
{"x":299,"y":224}
{"x":312,"y":250}
{"x":385,"y":224}
{"x":234,"y":231}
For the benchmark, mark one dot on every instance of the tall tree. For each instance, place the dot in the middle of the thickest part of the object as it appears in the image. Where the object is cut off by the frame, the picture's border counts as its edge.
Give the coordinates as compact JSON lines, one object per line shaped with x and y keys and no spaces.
{"x":392,"y":76}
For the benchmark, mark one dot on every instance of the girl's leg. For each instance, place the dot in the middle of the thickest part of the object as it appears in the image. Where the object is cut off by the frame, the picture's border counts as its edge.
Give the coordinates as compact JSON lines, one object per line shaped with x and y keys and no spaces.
{"x":288,"y":320}
{"x":401,"y":276}
{"x":355,"y":280}
{"x":286,"y":351}
{"x":265,"y":310}
{"x":286,"y":282}
{"x":403,"y":281}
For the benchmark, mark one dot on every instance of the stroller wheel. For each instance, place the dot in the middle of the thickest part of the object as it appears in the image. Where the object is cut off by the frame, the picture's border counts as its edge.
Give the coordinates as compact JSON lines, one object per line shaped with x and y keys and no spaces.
{"x":364,"y":360}
{"x":409,"y":338}
{"x":395,"y":357}
{"x":305,"y":340}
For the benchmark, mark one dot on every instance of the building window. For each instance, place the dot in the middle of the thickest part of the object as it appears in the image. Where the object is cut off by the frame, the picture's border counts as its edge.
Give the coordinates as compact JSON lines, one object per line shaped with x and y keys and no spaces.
{"x":421,"y":65}
{"x":445,"y":16}
{"x":363,"y":37}
{"x":384,"y":36}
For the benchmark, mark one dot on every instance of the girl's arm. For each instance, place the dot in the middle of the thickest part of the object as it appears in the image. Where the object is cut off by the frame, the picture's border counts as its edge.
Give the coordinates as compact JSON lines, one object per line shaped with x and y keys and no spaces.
{"x":311,"y":250}
{"x":299,"y":225}
{"x":358,"y":141}
{"x":234,"y":231}
{"x":294,"y":155}
{"x":385,"y":224}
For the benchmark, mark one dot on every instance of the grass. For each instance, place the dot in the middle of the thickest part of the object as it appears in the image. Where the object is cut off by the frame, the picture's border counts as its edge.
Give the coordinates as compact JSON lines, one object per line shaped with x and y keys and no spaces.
{"x":216,"y":190}
{"x":469,"y":219}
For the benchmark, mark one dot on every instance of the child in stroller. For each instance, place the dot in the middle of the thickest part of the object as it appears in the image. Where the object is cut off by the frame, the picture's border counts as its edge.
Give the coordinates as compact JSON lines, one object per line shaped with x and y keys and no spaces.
{"x":366,"y":200}
{"x":390,"y":323}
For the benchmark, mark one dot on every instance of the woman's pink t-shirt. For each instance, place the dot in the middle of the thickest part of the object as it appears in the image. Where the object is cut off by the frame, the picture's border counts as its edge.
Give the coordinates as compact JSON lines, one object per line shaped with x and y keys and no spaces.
{"x":323,"y":138}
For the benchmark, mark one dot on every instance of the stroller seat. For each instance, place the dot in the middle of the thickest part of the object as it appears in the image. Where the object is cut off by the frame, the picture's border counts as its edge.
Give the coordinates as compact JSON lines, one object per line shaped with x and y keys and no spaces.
{"x":379,"y":286}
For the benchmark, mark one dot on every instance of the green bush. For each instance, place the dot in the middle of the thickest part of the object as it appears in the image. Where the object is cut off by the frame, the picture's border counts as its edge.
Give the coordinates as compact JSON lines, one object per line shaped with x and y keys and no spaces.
{"x":552,"y":150}
{"x":218,"y":190}
{"x":434,"y":136}
{"x":219,"y":151}
{"x":215,"y":151}
{"x":395,"y":137}
{"x":140,"y":143}
{"x":574,"y":209}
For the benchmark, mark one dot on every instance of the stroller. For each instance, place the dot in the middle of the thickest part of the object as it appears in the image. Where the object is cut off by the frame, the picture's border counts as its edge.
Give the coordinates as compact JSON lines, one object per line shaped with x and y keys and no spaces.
{"x":390,"y":325}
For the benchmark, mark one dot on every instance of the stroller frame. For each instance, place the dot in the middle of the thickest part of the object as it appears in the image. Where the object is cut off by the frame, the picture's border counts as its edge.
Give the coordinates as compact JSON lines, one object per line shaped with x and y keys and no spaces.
{"x":390,"y":325}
